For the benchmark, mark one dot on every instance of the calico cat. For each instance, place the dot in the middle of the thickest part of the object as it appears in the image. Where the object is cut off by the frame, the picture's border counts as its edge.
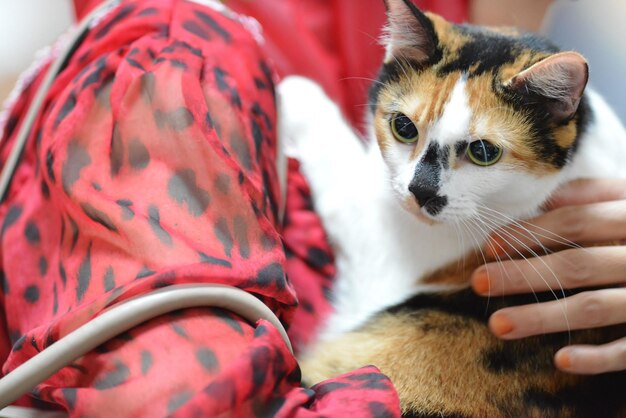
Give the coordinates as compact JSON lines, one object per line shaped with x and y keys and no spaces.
{"x":471,"y":128}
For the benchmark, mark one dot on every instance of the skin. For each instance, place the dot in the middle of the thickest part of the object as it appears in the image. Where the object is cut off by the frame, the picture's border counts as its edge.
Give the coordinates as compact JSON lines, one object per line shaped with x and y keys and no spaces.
{"x":592,"y":214}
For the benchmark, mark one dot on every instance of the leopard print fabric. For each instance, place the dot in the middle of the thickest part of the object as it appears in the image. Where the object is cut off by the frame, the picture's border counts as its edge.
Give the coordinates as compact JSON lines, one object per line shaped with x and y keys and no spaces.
{"x":152,"y":163}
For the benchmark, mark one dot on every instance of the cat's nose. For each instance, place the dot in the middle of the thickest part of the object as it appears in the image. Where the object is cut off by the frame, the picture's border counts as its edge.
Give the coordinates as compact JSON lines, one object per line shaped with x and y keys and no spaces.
{"x":428,"y":198}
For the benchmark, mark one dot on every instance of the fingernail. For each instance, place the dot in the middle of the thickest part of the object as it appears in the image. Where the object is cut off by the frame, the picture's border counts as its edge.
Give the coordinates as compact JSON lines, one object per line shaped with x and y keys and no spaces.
{"x":563,"y":359}
{"x":500,"y":324}
{"x":480,"y":281}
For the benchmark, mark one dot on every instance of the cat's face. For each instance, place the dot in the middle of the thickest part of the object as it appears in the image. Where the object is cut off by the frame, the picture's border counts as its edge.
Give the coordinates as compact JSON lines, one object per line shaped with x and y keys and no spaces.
{"x":474,"y":120}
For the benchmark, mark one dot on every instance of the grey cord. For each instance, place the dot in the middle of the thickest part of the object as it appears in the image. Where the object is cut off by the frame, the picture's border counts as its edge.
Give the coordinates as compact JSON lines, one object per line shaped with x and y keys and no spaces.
{"x":127,"y":314}
{"x":123,"y":317}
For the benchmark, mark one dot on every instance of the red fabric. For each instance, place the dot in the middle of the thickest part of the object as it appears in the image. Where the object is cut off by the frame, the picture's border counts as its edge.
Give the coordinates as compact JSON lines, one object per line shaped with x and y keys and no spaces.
{"x":334,"y":42}
{"x":152,"y":164}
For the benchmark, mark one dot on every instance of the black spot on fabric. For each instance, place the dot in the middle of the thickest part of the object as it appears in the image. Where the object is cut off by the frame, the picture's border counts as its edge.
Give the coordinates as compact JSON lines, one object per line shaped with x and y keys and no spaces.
{"x":241,"y":178}
{"x":31,"y":232}
{"x":222,"y":183}
{"x":74,"y":227}
{"x":113,"y":378}
{"x":223,"y":391}
{"x":127,"y":212}
{"x":208,"y":120}
{"x":77,"y":159}
{"x":117,"y":151}
{"x":272,"y":274}
{"x":31,"y":294}
{"x":10,"y":126}
{"x":180,"y":330}
{"x":261,"y":359}
{"x":380,"y":410}
{"x":204,"y":258}
{"x":178,"y":401}
{"x":257,"y":134}
{"x":241,"y":236}
{"x":148,"y":81}
{"x":213,"y":25}
{"x":260,"y":331}
{"x":138,"y":155}
{"x":258,"y":111}
{"x":98,"y":216}
{"x":110,"y":24}
{"x":50,"y":165}
{"x":144,"y":272}
{"x":62,"y":275}
{"x":109,"y":279}
{"x":260,"y":84}
{"x":180,"y":119}
{"x":17,"y":340}
{"x":196,"y":29}
{"x":4,"y":283}
{"x":240,"y":147}
{"x":182,"y":188}
{"x":318,"y":258}
{"x":229,"y":320}
{"x":220,"y":79}
{"x":146,"y":362}
{"x":235,"y":99}
{"x":13,"y":214}
{"x":224,"y":236}
{"x":96,"y":186}
{"x":154,"y":219}
{"x":207,"y":359}
{"x":325,"y":388}
{"x":95,"y":75}
{"x":69,"y":395}
{"x":178,"y":64}
{"x":134,"y":63}
{"x":43,"y":266}
{"x":84,"y":275}
{"x":150,"y":11}
{"x":66,"y":109}
{"x":268,"y":242}
{"x":306,"y":306}
{"x":269,"y":408}
{"x":55,"y":299}
{"x":45,"y":190}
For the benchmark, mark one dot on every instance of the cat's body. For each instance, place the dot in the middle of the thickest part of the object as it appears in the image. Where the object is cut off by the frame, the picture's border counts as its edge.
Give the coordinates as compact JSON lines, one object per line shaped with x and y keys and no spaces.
{"x":397,"y":213}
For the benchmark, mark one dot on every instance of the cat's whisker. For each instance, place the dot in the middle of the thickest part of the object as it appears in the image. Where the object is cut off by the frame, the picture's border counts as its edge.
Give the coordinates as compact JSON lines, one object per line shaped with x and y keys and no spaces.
{"x":563,"y":305}
{"x":552,"y":236}
{"x":484,"y":232}
{"x":373,"y":80}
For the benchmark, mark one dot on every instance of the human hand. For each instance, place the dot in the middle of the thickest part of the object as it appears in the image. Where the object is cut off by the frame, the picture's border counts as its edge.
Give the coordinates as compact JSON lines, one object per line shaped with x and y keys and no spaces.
{"x":584,"y":216}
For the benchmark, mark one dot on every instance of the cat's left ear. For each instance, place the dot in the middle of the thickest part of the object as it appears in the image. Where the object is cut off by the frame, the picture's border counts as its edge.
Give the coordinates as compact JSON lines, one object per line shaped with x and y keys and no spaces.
{"x":410,"y":34}
{"x":560,"y":79}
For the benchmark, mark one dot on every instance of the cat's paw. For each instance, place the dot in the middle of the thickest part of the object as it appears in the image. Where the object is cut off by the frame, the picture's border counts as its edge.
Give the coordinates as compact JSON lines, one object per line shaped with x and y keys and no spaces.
{"x":304,"y":110}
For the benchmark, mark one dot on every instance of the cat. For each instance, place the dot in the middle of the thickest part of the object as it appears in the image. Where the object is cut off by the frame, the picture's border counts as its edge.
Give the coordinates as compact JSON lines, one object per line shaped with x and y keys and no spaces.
{"x":471,"y":129}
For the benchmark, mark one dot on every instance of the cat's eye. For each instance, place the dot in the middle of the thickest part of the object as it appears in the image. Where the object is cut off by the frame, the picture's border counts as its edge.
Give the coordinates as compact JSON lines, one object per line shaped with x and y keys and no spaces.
{"x":403,"y":129}
{"x":484,"y":153}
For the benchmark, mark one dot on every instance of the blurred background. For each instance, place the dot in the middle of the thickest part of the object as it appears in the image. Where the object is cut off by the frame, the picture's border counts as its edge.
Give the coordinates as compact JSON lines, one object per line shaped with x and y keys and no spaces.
{"x":25,"y":27}
{"x":593,"y":27}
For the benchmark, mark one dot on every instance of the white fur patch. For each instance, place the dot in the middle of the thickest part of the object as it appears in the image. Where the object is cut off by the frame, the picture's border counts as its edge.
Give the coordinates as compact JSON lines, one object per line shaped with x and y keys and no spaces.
{"x":453,"y":125}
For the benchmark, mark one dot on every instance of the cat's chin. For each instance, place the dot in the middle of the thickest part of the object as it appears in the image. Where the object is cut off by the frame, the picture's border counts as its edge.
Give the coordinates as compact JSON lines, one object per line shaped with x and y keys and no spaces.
{"x":409,"y":205}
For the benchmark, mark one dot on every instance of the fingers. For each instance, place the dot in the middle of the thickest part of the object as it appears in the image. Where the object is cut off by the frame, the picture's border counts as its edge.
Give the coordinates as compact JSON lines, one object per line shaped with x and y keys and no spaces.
{"x":569,"y":269}
{"x":584,"y":359}
{"x":566,"y":226}
{"x":582,"y":311}
{"x":583,"y":192}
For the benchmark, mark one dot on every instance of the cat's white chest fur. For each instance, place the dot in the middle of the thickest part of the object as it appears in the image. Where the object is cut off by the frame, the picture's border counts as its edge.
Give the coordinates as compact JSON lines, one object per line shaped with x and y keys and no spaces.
{"x":382,"y":250}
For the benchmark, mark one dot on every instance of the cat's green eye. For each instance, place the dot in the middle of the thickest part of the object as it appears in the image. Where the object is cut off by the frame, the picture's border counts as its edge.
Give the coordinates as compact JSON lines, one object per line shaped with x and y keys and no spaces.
{"x":484,"y":153}
{"x":403,"y":129}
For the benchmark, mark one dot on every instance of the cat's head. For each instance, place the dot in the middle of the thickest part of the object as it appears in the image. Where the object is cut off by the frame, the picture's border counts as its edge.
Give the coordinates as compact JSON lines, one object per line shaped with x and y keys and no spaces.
{"x":470,"y":119}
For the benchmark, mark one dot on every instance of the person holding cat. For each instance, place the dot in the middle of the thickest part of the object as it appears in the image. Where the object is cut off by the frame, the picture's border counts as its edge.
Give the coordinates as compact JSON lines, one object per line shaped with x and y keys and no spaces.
{"x":586,"y":212}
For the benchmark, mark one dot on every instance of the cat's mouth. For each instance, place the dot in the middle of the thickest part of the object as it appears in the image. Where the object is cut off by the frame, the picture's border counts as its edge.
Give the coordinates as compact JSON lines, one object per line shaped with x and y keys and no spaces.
{"x":420,"y":212}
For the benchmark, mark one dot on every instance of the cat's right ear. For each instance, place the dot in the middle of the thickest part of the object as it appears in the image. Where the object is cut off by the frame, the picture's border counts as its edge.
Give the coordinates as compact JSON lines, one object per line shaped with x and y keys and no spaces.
{"x":409,"y":33}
